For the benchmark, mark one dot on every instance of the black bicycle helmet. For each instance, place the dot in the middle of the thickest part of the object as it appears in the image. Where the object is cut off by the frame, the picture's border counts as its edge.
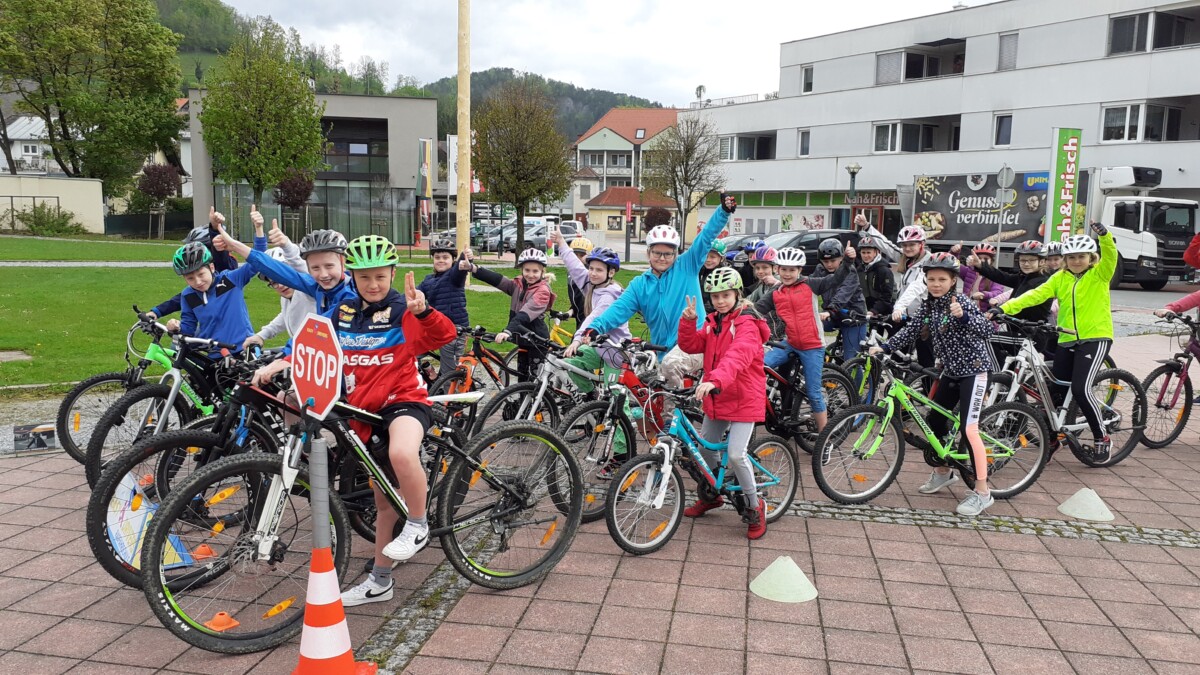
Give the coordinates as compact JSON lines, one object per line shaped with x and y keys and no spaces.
{"x":319,"y":241}
{"x":201,"y":234}
{"x":869,"y":241}
{"x":942,"y":261}
{"x":830,"y":249}
{"x":190,"y":257}
{"x":1031,"y":247}
{"x":442,"y":245}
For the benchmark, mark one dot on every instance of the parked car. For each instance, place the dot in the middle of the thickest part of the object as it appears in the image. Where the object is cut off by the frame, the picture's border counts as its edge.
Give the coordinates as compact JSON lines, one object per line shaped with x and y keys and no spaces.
{"x":734,"y":242}
{"x":535,"y":236}
{"x":808,"y":240}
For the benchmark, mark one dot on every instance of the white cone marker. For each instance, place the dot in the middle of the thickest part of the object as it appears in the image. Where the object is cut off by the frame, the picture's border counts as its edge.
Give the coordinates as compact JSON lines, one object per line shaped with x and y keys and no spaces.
{"x":783,"y":581}
{"x":1086,"y":505}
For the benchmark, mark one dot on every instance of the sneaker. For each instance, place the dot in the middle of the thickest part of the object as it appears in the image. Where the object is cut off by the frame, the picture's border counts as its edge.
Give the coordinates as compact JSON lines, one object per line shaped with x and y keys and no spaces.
{"x":974,"y":504}
{"x":1101,"y":449}
{"x":757,"y":521}
{"x":367,"y":592}
{"x":937,"y":481}
{"x":608,"y":471}
{"x":412,"y":539}
{"x":702,"y":507}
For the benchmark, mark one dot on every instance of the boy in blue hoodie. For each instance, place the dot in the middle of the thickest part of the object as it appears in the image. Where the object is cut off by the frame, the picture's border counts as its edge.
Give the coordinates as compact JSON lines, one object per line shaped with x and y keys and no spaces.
{"x":213,"y":304}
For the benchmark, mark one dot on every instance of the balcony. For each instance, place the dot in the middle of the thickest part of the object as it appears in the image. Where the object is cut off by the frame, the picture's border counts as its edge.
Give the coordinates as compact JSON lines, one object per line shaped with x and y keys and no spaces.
{"x":35,"y":165}
{"x":728,"y":100}
{"x":613,"y":170}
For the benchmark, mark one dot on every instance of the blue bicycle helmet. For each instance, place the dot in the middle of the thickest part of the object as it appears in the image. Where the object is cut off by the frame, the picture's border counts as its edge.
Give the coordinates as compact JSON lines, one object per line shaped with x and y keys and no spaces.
{"x":753,"y":244}
{"x":605,"y":255}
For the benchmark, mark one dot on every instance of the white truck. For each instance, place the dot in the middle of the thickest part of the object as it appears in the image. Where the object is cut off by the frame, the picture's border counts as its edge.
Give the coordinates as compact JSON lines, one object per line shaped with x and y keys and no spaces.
{"x":1151,"y":232}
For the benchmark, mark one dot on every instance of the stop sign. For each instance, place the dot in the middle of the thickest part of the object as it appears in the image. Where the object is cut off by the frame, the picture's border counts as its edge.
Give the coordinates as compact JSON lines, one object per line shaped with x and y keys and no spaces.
{"x":317,"y":365}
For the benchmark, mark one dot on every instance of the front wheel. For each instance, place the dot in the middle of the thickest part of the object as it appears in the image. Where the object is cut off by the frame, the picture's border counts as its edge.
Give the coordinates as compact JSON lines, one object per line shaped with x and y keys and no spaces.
{"x":858,"y":454}
{"x":1169,"y":405}
{"x":777,"y":484}
{"x":637,"y":520}
{"x":1123,"y":408}
{"x":602,"y":438}
{"x":135,"y":416}
{"x":839,"y":394}
{"x":1017,"y":447}
{"x":517,"y":403}
{"x":864,"y":371}
{"x":85,"y":404}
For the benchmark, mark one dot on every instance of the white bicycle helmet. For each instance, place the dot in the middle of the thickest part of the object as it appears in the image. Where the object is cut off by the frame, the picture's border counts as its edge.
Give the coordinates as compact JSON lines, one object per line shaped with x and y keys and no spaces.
{"x":790,"y":257}
{"x":277,"y":254}
{"x":532,"y":255}
{"x":662,"y":234}
{"x":910,"y":233}
{"x":1079,"y":243}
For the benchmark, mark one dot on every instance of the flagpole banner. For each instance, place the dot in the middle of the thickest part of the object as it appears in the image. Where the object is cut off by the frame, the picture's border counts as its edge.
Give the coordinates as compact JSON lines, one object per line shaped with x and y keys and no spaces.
{"x":452,"y":164}
{"x":1064,"y":212}
{"x":425,"y":168}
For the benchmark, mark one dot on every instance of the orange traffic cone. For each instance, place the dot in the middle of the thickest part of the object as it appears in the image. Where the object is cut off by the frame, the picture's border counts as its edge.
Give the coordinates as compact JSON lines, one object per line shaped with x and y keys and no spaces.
{"x":325,"y":642}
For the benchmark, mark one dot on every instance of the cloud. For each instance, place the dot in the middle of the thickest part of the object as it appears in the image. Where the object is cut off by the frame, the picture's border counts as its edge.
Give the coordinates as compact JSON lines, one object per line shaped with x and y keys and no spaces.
{"x":658,"y":49}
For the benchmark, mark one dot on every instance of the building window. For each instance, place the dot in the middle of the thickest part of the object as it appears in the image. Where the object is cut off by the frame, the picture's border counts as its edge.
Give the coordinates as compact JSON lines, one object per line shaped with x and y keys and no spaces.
{"x":885,"y":137}
{"x":746,"y":148}
{"x":888,"y":67}
{"x":585,"y":191}
{"x":594,"y":158}
{"x":1177,"y":28}
{"x":1008,"y":52}
{"x":619,"y":160}
{"x":726,"y":149}
{"x":1162,"y":123}
{"x":802,"y":150}
{"x":640,"y":133}
{"x":918,"y":66}
{"x":1121,"y":123}
{"x":1127,"y":34}
{"x":30,"y":149}
{"x":1002,"y":135}
{"x":1141,"y":122}
{"x":806,"y":79}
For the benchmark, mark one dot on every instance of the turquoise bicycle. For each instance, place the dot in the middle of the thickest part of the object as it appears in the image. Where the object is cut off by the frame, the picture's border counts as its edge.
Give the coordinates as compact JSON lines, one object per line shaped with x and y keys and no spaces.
{"x":646,"y":497}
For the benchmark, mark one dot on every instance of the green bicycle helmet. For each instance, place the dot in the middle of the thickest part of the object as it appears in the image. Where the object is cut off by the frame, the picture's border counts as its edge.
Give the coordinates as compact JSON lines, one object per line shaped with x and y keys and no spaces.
{"x":718,"y":247}
{"x":370,"y":251}
{"x":723,"y":279}
{"x":191,"y":257}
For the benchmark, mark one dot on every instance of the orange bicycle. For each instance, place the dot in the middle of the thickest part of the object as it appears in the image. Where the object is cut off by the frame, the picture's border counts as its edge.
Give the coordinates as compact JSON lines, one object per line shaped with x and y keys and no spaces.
{"x":479,"y":369}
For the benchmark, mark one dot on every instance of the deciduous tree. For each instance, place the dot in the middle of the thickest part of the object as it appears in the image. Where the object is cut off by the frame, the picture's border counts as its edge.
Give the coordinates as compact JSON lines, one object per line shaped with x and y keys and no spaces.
{"x":687,"y":164}
{"x":158,"y":182}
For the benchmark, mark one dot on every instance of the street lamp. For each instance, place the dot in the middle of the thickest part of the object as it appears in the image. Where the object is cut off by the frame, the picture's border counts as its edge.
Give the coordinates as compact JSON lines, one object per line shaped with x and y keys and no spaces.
{"x":853,"y":170}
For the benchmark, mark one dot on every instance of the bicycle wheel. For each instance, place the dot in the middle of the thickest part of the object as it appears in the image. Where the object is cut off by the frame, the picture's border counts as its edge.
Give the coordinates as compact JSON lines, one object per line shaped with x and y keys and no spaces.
{"x":858,"y":454}
{"x":120,"y":428}
{"x":459,"y":416}
{"x":839,"y":394}
{"x":1122,"y":412}
{"x":510,"y":362}
{"x":223,"y":598}
{"x":999,"y":388}
{"x":864,"y":373}
{"x":510,"y":518}
{"x":1017,"y":446}
{"x":516,"y":403}
{"x":592,"y":431}
{"x":634,"y":521}
{"x":83,"y":407}
{"x":1169,"y":405}
{"x":775,"y":455}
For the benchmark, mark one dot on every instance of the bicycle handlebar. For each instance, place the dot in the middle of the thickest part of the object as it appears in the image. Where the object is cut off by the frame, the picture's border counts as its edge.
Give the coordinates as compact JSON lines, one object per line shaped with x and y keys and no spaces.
{"x":1041,"y":326}
{"x":1181,"y":318}
{"x":561,"y":316}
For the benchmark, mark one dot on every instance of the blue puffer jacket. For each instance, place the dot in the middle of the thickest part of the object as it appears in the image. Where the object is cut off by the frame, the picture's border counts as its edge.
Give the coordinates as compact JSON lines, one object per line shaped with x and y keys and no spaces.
{"x":446,"y":292}
{"x":661,"y":299}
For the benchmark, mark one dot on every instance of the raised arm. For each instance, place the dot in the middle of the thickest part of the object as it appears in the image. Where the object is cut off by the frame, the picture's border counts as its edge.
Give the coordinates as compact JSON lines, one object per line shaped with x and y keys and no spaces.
{"x":620,"y":311}
{"x":694,"y":257}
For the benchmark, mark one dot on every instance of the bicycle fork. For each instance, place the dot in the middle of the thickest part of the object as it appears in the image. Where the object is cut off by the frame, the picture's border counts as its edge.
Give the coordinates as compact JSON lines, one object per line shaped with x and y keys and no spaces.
{"x":266,"y":533}
{"x":653,"y":491}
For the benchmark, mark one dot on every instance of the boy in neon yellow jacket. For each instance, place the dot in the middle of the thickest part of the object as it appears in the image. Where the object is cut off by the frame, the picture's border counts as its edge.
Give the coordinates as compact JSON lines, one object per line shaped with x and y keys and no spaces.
{"x":1085,"y":309}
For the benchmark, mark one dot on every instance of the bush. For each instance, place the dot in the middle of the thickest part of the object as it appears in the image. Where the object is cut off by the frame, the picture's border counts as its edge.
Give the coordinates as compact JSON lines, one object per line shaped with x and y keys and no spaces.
{"x":44,"y":220}
{"x":179,"y":205}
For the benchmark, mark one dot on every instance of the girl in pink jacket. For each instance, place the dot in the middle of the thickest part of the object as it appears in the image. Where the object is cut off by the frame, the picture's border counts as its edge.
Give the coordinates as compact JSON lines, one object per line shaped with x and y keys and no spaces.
{"x":734,"y":387}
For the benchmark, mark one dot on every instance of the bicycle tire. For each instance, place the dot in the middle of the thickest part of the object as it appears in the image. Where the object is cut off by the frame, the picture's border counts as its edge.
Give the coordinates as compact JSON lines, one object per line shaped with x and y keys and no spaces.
{"x":632,"y":521}
{"x":73,"y":427}
{"x":179,"y":519}
{"x":1029,"y":435}
{"x":506,"y":407}
{"x":598,"y":427}
{"x":867,"y":388}
{"x":778,"y":457}
{"x":869,"y":418}
{"x":1133,"y":416}
{"x":472,"y":542}
{"x":454,"y":415}
{"x":104,"y":445}
{"x":510,"y":363}
{"x":1170,"y":419}
{"x":839,"y":395}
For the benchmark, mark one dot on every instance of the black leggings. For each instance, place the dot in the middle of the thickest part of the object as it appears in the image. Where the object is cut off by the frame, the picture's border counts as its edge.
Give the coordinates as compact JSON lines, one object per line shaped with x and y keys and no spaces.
{"x":965,"y":394}
{"x":1078,"y":363}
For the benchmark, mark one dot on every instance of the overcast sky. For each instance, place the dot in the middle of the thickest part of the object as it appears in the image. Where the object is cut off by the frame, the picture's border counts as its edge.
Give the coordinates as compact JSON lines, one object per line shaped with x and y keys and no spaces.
{"x":657,"y":49}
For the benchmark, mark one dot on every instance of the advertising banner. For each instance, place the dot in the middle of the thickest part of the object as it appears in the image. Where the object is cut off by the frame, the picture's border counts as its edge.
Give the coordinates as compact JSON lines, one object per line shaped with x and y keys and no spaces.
{"x":425,"y":168}
{"x":1066,"y":211}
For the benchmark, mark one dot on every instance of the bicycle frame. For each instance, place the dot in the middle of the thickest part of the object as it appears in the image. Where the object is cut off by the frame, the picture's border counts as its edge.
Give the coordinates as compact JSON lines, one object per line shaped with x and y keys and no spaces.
{"x":1184,"y":359}
{"x":1029,"y":364}
{"x":479,"y":355}
{"x":899,"y":392}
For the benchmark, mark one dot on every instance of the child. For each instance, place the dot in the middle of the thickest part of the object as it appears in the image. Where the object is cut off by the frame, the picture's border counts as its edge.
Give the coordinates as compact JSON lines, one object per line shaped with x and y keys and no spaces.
{"x":874,"y":277}
{"x":1082,"y":290}
{"x":714,"y":261}
{"x":762,"y":262}
{"x":979,"y":288}
{"x":580,"y":247}
{"x":959,"y":334}
{"x":840,"y":301}
{"x":1030,"y":255}
{"x":445,"y":291}
{"x":531,"y":299}
{"x":734,"y":386}
{"x":294,"y":306}
{"x":1054,"y":257}
{"x":912,"y":284}
{"x":795,"y":302}
{"x":382,"y":333}
{"x":213,"y":304}
{"x":594,"y":279}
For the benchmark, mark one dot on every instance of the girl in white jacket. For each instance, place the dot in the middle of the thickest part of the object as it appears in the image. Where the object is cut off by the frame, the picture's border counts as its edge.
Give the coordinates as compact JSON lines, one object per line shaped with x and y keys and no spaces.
{"x":911,"y":290}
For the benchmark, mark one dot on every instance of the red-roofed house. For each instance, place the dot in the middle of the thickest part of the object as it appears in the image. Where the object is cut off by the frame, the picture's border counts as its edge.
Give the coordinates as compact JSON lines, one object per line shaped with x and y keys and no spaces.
{"x":606,"y":212}
{"x":613,"y":147}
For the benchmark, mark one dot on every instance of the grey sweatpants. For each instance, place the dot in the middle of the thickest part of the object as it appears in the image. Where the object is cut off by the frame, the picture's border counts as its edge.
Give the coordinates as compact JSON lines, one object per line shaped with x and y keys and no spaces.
{"x":739,"y":441}
{"x":449,"y":354}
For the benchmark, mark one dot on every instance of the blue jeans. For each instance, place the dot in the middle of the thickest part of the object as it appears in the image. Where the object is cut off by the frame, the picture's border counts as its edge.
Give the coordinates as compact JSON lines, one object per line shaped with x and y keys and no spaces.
{"x":813,"y":362}
{"x":852,"y":337}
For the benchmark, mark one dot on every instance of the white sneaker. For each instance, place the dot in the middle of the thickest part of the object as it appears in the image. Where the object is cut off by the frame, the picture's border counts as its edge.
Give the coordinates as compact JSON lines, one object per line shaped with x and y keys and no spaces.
{"x":974,"y":504}
{"x":367,"y":591}
{"x":412,"y":539}
{"x":937,"y":481}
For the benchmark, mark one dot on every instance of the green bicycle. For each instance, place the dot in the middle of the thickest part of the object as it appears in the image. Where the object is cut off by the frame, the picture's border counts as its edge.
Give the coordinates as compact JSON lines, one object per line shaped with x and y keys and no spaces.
{"x":861,"y":450}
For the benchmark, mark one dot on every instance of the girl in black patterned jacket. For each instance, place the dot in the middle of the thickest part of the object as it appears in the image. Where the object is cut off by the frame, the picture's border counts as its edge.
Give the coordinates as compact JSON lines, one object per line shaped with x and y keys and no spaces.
{"x":959,"y":333}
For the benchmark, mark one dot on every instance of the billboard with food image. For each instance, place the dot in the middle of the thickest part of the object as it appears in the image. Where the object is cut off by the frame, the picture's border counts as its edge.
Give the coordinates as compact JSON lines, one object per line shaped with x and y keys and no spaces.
{"x":964,"y":207}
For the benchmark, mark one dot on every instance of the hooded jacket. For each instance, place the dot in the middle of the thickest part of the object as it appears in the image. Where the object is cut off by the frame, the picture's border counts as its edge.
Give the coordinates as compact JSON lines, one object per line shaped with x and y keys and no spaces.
{"x":219,"y":313}
{"x":878,"y":284}
{"x":733,"y":362}
{"x":529,"y":304}
{"x":912,"y":285}
{"x":796,"y":306}
{"x":446,"y":292}
{"x":601,"y":298}
{"x":961,"y":343}
{"x":1084,"y":304}
{"x":843,"y":298}
{"x":973,"y":282}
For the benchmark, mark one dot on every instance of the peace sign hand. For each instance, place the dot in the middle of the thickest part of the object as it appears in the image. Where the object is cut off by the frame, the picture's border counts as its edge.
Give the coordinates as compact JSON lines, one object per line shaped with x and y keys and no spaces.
{"x":414,"y":297}
{"x":689,"y":311}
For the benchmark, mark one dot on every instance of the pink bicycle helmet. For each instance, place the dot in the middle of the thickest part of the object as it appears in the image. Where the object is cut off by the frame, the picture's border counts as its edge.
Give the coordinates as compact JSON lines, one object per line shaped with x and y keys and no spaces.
{"x":911,"y":233}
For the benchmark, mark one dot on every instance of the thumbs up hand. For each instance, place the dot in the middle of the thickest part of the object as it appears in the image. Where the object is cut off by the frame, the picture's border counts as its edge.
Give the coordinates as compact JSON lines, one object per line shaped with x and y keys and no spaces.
{"x":257,"y":219}
{"x":414,"y":297}
{"x":956,"y":309}
{"x":215,"y":217}
{"x":276,"y":237}
{"x":224,"y":242}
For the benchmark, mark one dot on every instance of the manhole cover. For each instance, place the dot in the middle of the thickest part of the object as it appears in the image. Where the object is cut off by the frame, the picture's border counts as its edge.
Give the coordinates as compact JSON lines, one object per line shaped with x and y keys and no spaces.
{"x":6,"y":356}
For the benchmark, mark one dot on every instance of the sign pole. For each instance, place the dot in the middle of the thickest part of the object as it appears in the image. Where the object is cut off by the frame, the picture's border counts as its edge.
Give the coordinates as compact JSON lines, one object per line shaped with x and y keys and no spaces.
{"x":318,"y":476}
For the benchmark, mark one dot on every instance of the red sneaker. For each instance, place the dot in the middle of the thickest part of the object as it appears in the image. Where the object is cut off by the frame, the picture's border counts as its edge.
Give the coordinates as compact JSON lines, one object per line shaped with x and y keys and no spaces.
{"x":757,"y":521}
{"x":702,"y":507}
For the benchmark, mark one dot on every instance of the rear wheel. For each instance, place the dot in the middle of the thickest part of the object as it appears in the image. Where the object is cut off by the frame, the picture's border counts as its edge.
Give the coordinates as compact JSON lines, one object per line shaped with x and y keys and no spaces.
{"x":83,"y":407}
{"x":864,"y":373}
{"x":1168,"y":405}
{"x":1122,"y":413}
{"x":635,"y":519}
{"x":1017,"y":447}
{"x":135,"y":416}
{"x":858,"y":455}
{"x":839,"y":394}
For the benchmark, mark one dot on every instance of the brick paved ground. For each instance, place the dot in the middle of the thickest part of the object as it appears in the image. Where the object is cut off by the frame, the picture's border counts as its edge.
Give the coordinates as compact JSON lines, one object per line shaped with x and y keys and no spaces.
{"x":904,"y":597}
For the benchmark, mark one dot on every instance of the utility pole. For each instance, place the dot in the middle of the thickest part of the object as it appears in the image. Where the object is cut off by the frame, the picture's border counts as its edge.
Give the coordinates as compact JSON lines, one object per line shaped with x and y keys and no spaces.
{"x":462,"y":229}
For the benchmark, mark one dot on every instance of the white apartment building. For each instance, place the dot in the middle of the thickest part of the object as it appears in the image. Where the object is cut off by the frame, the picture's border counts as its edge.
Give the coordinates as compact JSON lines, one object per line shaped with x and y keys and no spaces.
{"x":961,"y":92}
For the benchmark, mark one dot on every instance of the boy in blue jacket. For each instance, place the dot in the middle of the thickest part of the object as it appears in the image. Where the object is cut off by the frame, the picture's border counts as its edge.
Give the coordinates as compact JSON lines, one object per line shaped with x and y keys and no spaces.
{"x":213,"y":304}
{"x":445,"y":290}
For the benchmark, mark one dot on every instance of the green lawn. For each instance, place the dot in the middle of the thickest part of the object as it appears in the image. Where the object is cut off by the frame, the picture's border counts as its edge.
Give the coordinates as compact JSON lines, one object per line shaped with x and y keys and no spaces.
{"x":24,"y":248}
{"x":73,"y":321}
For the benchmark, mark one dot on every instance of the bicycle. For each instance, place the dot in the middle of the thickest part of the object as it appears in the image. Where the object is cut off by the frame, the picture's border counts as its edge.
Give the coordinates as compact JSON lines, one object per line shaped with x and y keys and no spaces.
{"x":228,"y":552}
{"x":91,"y":398}
{"x":860,"y":452}
{"x":789,"y":412}
{"x":1169,"y":387}
{"x":559,"y":335}
{"x":646,"y":497}
{"x":864,"y":368}
{"x":1028,"y":376}
{"x":468,"y":376}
